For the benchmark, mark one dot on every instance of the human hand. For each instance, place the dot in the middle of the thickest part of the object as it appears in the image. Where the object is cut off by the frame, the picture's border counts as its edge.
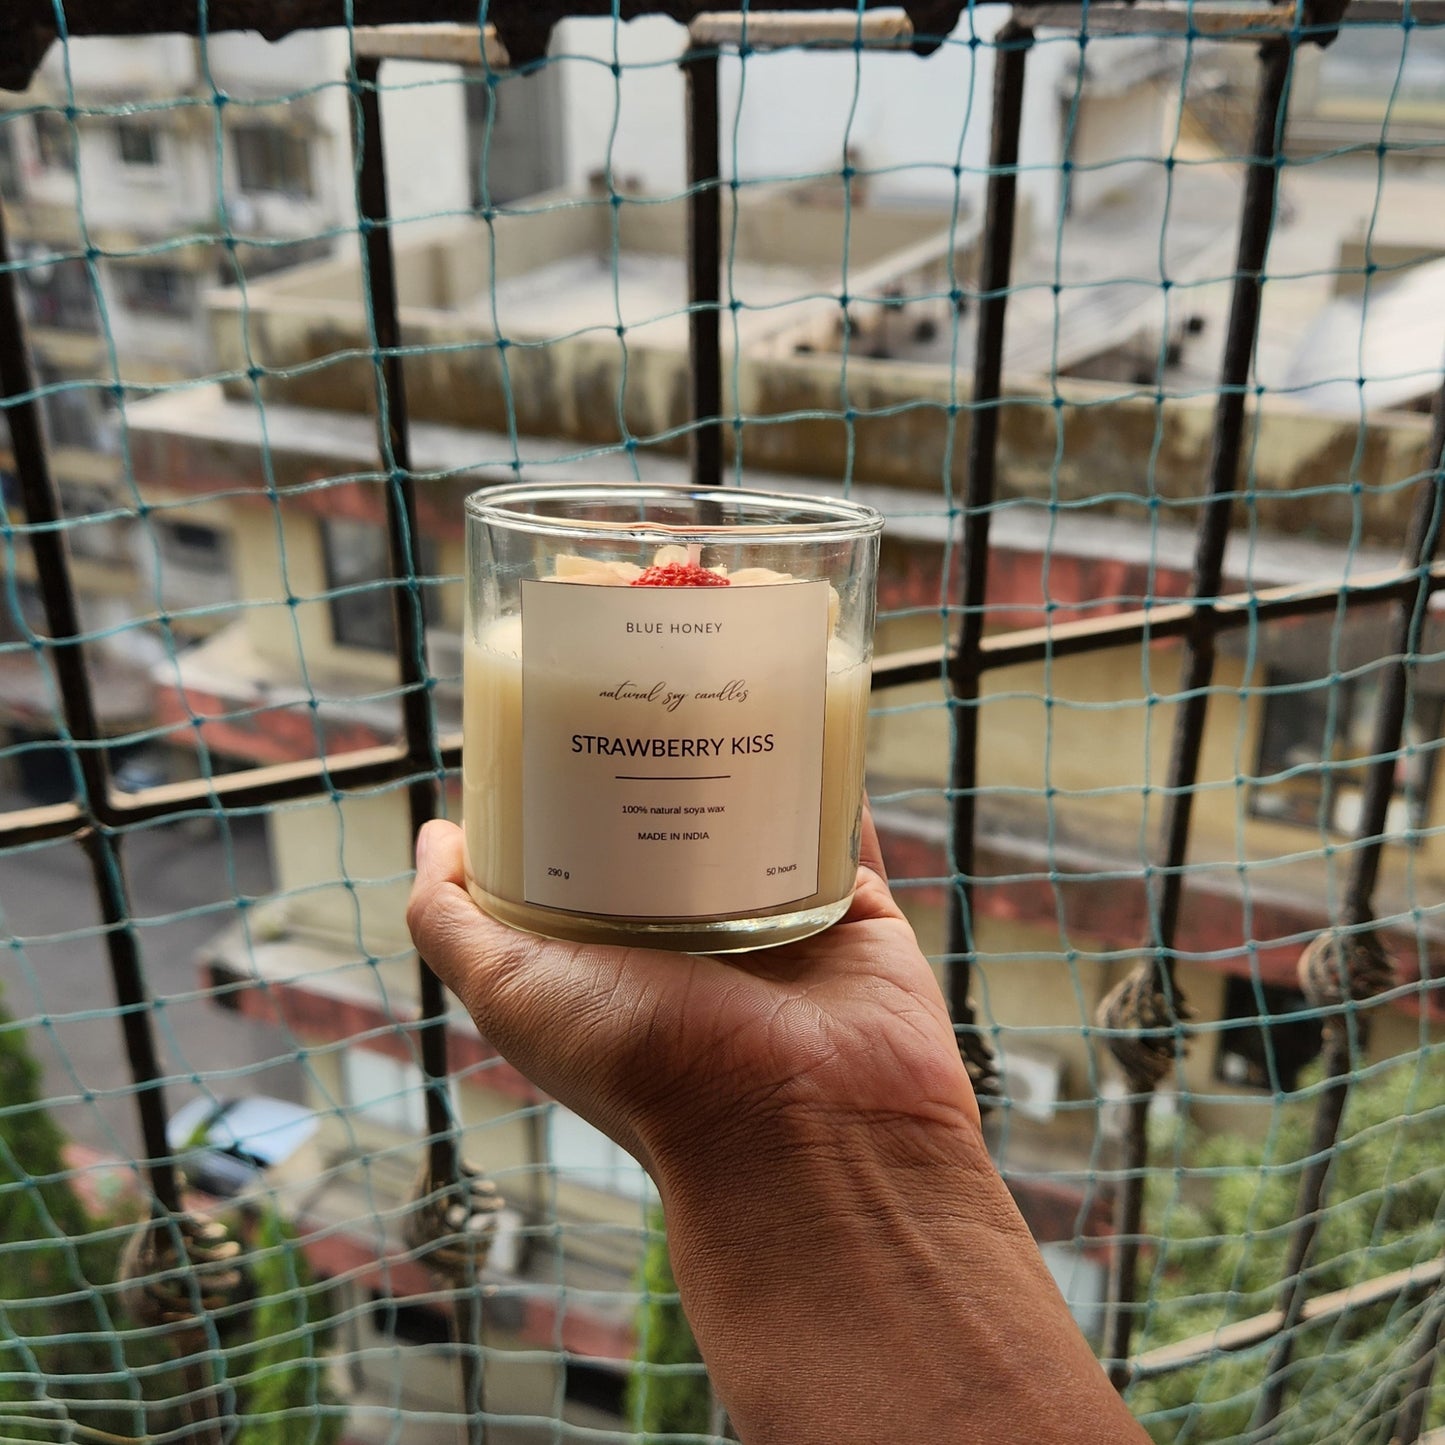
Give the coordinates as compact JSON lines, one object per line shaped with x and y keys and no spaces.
{"x":852,"y":1265}
{"x":673,"y":1053}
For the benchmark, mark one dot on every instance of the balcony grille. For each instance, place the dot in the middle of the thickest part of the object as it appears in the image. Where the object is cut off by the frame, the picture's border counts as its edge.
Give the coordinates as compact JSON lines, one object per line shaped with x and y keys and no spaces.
{"x":974,"y":849}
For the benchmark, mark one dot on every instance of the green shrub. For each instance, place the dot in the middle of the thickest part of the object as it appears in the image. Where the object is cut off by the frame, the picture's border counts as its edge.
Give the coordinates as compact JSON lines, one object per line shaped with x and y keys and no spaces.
{"x":668,"y":1393}
{"x":1223,"y":1206}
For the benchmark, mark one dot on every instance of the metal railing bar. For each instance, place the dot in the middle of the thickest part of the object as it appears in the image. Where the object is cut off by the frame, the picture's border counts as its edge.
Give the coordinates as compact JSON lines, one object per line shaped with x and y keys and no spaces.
{"x":523,"y":26}
{"x":404,"y":544}
{"x":1410,"y":1417}
{"x":418,"y":704}
{"x":1244,"y":1334}
{"x":27,"y":826}
{"x":43,"y":511}
{"x":1221,"y":22}
{"x":379,"y":766}
{"x":1155,"y":996}
{"x":964,"y":673}
{"x":468,"y":45}
{"x":1233,"y":611}
{"x":150,"y":17}
{"x":704,"y":264}
{"x":1357,"y":971}
{"x":841,"y":30}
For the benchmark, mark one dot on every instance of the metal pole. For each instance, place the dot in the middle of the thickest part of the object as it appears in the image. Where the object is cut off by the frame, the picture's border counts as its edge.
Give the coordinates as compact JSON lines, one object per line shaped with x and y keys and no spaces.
{"x":1147,"y":1009}
{"x":704,"y":265}
{"x":1349,"y":965}
{"x":418,"y":712}
{"x":67,"y":655}
{"x":965,"y":670}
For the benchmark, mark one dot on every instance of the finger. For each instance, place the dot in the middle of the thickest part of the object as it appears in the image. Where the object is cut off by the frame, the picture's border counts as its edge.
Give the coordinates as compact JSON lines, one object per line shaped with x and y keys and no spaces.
{"x":572,"y":1017}
{"x":870,"y":853}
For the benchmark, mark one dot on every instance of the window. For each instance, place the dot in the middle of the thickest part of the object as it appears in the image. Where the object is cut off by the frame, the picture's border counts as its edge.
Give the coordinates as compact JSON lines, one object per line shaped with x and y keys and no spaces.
{"x":1268,"y":1046}
{"x":75,"y":413}
{"x":9,"y":163}
{"x":1321,"y":753}
{"x":55,"y":141}
{"x":58,"y":294}
{"x":188,"y":544}
{"x":409,"y":1324}
{"x":98,"y":533}
{"x":587,"y":1156}
{"x":138,"y":143}
{"x":272,"y":160}
{"x":195,"y":564}
{"x":384,"y":1090}
{"x":155,"y":290}
{"x":356,"y":556}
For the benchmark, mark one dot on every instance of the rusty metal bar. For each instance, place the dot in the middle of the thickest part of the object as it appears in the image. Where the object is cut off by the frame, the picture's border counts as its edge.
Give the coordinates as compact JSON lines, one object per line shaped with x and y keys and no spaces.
{"x":418,"y":707}
{"x":1422,"y":544}
{"x":375,"y":767}
{"x":704,"y":264}
{"x":1245,"y":1334}
{"x":523,"y":27}
{"x":1410,"y":1418}
{"x":842,"y":30}
{"x":404,"y":542}
{"x":965,"y":671}
{"x":77,"y":702}
{"x":1156,"y":994}
{"x":470,"y":45}
{"x":1153,"y":624}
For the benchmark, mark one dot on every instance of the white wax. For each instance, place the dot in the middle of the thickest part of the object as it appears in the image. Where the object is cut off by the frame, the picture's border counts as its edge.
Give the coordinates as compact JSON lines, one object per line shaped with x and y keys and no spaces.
{"x":492,"y":778}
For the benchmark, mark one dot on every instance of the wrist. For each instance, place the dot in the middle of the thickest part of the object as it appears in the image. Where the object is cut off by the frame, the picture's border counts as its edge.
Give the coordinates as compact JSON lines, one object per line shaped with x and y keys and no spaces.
{"x":837,"y":1259}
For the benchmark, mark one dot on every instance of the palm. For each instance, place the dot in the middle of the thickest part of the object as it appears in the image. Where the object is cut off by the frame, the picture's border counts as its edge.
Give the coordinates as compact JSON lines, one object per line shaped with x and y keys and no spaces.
{"x":849,"y":1022}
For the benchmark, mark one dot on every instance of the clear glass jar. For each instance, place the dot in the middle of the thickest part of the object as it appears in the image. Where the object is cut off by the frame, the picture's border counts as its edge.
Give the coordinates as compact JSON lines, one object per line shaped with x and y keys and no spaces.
{"x":666,"y":694}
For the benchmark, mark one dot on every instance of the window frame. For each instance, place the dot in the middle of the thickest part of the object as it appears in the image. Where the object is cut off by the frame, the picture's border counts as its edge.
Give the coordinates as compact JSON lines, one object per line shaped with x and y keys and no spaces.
{"x":343,"y":602}
{"x":127,"y":133}
{"x":284,"y":155}
{"x":1240,"y":1014}
{"x":1327,"y":784}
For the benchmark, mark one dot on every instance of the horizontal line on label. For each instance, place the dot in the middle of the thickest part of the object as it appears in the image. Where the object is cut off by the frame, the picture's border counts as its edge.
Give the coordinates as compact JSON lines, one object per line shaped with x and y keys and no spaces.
{"x":670,"y":778}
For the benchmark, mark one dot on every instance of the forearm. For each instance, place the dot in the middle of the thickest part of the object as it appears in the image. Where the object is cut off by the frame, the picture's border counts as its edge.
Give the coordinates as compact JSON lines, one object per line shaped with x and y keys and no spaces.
{"x":841,"y":1294}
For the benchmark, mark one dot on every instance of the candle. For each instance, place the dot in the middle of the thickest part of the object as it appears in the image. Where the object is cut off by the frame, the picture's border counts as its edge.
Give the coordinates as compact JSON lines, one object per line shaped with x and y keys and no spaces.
{"x":661,"y":752}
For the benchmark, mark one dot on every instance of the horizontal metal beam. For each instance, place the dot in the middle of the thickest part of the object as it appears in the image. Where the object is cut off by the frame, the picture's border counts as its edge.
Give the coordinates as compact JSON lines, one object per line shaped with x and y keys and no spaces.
{"x":469,"y":45}
{"x":1152,"y":624}
{"x":524,"y":27}
{"x":1213,"y":21}
{"x":377,"y":767}
{"x":840,"y":29}
{"x":1243,"y":1335}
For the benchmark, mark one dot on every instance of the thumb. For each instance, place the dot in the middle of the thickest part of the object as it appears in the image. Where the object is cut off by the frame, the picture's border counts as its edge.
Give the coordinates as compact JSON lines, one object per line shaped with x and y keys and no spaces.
{"x":570,"y":1016}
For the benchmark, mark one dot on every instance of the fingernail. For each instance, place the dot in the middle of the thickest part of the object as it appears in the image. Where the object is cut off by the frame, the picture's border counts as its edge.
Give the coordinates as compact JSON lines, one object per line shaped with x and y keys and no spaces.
{"x":423,"y":846}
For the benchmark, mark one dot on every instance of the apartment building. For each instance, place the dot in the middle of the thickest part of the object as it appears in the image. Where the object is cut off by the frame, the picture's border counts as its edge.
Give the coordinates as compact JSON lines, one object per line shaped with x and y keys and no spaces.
{"x":136,"y":175}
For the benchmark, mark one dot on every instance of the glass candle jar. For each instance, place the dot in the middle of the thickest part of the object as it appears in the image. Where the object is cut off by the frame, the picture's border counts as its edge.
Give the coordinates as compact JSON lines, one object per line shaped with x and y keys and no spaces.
{"x":666,"y":692}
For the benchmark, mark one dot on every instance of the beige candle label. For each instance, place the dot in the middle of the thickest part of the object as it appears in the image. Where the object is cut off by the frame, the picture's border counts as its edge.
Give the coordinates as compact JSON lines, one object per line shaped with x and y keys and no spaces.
{"x":672,"y":747}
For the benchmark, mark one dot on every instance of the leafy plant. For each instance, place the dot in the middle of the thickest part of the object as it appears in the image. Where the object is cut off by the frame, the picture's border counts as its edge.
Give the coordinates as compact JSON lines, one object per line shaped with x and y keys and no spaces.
{"x":1226,"y":1205}
{"x":281,"y":1375}
{"x":66,"y":1359}
{"x":61,"y":1357}
{"x":668,"y":1393}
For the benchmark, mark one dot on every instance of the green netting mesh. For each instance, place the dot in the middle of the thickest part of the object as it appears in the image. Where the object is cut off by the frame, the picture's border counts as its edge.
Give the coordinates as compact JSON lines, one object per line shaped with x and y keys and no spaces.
{"x":183,"y":234}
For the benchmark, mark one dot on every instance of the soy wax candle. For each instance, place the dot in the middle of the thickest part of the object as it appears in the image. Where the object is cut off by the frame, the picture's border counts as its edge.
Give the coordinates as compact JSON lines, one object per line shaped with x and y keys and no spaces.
{"x":665,"y":699}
